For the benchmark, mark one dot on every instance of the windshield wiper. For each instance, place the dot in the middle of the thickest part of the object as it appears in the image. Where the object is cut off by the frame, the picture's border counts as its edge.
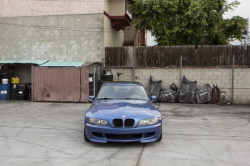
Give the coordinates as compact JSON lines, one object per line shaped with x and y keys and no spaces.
{"x":131,"y":98}
{"x":105,"y":98}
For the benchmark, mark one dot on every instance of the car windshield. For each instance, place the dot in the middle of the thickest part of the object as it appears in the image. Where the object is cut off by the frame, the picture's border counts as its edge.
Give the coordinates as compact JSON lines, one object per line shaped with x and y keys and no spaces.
{"x":128,"y":92}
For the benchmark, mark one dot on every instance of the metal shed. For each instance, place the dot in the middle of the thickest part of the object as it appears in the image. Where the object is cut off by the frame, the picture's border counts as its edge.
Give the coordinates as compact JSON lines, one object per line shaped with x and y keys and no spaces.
{"x":23,"y":69}
{"x":61,"y":82}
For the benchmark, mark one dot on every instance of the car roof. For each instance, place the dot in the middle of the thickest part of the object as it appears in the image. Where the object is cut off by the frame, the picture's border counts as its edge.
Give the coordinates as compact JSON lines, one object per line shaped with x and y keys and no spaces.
{"x":122,"y":83}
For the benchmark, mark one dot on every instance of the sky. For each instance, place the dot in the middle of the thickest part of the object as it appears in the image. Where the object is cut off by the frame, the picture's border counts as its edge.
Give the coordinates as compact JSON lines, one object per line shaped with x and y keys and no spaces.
{"x":242,"y":10}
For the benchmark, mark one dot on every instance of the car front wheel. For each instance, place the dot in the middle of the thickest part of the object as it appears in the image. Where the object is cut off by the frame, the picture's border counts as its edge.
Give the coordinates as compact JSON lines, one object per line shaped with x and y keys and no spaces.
{"x":160,"y":138}
{"x":85,"y":137}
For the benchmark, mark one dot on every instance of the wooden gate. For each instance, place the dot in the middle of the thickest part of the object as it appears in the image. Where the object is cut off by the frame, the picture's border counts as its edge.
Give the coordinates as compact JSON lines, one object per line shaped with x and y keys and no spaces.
{"x":61,"y":84}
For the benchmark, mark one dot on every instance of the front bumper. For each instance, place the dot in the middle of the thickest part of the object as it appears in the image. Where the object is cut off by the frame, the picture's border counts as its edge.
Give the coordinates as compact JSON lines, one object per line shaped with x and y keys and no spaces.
{"x":103,"y":130}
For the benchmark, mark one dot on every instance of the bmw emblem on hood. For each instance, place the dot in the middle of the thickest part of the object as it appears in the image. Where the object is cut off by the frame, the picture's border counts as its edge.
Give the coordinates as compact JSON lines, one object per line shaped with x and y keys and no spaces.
{"x":123,"y":116}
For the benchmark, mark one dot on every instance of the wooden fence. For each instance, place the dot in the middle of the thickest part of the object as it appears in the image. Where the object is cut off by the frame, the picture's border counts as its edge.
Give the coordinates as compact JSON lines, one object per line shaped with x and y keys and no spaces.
{"x":116,"y":56}
{"x":169,"y":56}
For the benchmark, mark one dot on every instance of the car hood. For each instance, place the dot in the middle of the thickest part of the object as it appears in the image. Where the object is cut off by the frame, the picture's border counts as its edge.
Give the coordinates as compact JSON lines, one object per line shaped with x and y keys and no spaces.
{"x":110,"y":109}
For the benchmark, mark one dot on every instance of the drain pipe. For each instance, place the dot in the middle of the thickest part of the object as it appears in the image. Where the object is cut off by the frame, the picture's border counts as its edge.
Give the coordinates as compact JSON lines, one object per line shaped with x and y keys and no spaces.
{"x":32,"y":83}
{"x":232,"y":98}
{"x":180,"y":70}
{"x":133,"y":64}
{"x":94,"y":79}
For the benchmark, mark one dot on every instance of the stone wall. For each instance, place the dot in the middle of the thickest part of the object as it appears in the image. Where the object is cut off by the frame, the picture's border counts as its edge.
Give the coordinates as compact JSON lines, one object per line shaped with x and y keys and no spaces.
{"x":54,"y":38}
{"x":220,"y":77}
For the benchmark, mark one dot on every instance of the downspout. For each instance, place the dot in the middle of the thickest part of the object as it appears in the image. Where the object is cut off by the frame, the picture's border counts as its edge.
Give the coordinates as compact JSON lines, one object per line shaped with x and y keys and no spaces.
{"x":32,"y":83}
{"x":94,"y":79}
{"x":133,"y":64}
{"x":232,"y":98}
{"x":180,"y":70}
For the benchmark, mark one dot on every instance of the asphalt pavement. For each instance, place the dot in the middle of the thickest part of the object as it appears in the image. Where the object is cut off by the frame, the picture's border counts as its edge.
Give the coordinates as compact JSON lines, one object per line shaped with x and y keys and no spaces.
{"x":51,"y":134}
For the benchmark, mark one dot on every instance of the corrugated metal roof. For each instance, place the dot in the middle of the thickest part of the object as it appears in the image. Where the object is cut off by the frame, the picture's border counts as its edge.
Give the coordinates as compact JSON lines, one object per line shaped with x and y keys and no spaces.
{"x":7,"y":62}
{"x":36,"y":62}
{"x":62,"y":64}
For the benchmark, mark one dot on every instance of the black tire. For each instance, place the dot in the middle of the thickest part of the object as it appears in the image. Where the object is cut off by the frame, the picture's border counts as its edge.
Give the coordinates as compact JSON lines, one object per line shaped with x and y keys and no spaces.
{"x":160,"y":138}
{"x":91,"y":85}
{"x":107,"y":77}
{"x":85,"y":137}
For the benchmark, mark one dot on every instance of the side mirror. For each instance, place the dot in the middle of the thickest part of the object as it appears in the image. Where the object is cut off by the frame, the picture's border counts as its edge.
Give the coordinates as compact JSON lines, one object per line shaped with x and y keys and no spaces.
{"x":153,"y":98}
{"x":92,"y":98}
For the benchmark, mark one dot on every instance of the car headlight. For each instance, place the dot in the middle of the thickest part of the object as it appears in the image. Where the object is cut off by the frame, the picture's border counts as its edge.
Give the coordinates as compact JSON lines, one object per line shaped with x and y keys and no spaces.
{"x":145,"y":122}
{"x":98,"y":122}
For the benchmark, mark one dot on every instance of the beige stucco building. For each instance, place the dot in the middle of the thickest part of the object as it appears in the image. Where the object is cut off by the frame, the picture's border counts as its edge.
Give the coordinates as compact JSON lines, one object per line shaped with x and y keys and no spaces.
{"x":65,"y":30}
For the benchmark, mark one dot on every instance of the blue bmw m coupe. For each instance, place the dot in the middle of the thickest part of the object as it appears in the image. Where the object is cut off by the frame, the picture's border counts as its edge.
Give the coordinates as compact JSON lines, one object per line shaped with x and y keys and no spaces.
{"x":122,"y":112}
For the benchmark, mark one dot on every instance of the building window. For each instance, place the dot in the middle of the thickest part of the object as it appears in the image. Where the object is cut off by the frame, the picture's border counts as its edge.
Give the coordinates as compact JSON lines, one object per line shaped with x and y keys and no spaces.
{"x":128,"y":8}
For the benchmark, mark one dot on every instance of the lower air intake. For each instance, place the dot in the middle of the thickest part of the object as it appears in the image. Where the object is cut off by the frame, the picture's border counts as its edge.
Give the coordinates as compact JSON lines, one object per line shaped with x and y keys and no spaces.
{"x":123,"y":136}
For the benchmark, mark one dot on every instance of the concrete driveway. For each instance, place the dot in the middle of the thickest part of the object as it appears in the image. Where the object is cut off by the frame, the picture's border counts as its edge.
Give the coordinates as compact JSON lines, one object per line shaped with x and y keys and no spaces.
{"x":44,"y":134}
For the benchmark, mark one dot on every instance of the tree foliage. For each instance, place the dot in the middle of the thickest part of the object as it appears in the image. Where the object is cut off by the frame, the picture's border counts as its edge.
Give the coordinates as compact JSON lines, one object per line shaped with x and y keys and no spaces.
{"x":189,"y":22}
